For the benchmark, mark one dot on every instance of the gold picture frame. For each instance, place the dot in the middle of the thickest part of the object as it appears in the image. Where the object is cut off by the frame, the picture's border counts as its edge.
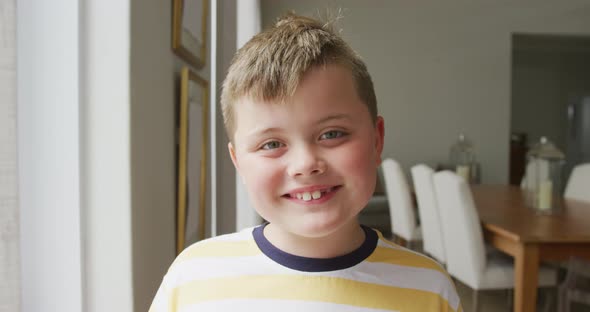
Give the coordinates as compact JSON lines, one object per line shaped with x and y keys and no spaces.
{"x":192,"y":158}
{"x":189,"y":30}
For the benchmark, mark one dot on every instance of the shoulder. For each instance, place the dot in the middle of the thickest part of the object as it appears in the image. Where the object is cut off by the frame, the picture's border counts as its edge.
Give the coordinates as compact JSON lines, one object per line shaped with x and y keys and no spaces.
{"x":234,"y":244}
{"x":405,"y":268}
{"x":199,"y":263}
{"x":211,"y":256}
{"x":392,"y":253}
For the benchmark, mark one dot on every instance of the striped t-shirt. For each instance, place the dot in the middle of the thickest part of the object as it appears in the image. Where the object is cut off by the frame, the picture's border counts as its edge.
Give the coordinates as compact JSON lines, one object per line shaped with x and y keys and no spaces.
{"x":244,"y":272}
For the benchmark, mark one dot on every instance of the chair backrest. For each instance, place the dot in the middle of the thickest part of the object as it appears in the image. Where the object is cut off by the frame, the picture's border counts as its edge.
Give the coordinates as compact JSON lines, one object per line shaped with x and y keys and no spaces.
{"x":462,"y":234}
{"x":428,"y":211}
{"x":578,"y":184}
{"x":401,"y":211}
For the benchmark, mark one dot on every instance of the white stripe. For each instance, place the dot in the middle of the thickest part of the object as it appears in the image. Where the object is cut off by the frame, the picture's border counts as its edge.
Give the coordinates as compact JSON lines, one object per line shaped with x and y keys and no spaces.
{"x":375,"y":273}
{"x":272,"y":305}
{"x":160,"y":302}
{"x":244,"y":235}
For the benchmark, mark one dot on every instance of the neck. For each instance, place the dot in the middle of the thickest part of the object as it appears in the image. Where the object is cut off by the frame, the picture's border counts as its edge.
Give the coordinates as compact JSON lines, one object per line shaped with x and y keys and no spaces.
{"x":341,"y":242}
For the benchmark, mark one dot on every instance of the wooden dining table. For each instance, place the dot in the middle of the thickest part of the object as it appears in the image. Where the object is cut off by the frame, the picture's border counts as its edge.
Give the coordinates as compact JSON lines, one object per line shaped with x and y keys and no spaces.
{"x":531,"y":238}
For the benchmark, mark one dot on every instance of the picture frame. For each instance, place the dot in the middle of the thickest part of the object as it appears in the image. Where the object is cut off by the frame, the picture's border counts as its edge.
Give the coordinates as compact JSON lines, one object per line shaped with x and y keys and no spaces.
{"x":189,"y":31}
{"x":192,"y":158}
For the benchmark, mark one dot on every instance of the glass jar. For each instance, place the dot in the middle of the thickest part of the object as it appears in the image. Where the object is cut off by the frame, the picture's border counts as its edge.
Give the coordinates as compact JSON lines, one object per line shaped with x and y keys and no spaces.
{"x":462,"y":159}
{"x":544,"y":177}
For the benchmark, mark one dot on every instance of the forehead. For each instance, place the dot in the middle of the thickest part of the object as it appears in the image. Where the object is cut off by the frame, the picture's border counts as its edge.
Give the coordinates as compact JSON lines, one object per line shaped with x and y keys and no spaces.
{"x":322,"y":83}
{"x":327,"y":80}
{"x":323,"y":92}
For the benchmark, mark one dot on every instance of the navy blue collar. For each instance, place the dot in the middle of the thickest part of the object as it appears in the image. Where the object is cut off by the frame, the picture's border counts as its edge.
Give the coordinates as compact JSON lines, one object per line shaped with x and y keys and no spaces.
{"x":316,"y":264}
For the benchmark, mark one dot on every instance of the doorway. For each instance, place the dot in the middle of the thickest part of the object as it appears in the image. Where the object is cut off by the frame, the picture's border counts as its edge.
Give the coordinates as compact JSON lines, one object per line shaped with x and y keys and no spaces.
{"x":549,"y":72}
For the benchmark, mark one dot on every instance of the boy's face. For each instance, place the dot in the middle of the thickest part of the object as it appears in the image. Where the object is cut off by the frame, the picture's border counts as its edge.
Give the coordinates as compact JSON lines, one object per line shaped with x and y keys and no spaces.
{"x":310,"y":164}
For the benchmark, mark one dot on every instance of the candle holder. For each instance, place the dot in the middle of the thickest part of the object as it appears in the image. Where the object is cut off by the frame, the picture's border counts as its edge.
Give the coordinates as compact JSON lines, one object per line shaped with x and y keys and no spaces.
{"x":463,"y":160}
{"x":543,"y":177}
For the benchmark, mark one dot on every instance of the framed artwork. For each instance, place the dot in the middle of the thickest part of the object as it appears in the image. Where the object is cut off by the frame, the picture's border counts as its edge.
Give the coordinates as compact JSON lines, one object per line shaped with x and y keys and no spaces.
{"x":189,"y":30}
{"x":192,"y":159}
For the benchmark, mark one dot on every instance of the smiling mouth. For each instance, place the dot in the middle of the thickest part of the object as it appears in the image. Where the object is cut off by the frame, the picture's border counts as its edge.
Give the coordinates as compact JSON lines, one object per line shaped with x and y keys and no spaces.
{"x":314,"y":195}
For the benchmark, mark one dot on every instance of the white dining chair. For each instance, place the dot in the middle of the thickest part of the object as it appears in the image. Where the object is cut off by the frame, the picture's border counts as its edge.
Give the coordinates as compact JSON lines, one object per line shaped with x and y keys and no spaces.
{"x":401,"y":210}
{"x":578,"y":184}
{"x":432,"y":240}
{"x":467,"y":260}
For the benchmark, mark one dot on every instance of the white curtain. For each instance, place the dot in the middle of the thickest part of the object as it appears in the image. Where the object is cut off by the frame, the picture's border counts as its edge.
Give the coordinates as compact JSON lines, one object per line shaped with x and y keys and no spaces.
{"x":248,"y":25}
{"x":9,"y":243}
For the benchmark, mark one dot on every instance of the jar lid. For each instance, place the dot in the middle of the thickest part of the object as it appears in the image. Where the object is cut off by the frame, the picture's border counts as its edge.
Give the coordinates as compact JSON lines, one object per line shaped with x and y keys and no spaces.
{"x":546,"y":149}
{"x":463,"y":143}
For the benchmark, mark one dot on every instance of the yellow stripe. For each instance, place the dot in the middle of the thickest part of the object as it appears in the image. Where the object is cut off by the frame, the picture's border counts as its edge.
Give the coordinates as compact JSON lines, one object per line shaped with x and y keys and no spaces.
{"x":402,"y":257}
{"x":309,"y":288}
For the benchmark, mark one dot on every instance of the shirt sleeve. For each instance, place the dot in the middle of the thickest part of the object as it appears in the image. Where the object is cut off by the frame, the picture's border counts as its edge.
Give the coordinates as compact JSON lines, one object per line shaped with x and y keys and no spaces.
{"x":161,"y":302}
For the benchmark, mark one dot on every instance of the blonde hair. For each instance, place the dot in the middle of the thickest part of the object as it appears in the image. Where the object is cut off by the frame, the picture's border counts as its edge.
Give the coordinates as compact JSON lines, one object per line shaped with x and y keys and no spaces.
{"x":270,"y":66}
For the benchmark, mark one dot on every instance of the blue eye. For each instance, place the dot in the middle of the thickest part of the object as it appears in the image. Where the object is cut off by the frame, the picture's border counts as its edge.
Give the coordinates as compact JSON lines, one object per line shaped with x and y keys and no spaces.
{"x":333,"y":134}
{"x":272,"y":145}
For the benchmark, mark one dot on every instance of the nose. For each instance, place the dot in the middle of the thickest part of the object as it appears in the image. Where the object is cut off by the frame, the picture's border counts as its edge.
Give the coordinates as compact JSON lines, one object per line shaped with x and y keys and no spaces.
{"x":305,"y":161}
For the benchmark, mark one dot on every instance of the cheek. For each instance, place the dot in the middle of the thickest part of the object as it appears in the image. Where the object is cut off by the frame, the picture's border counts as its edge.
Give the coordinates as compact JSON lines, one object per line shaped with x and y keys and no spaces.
{"x":260,"y":175}
{"x":360,"y":163}
{"x":361,"y":156}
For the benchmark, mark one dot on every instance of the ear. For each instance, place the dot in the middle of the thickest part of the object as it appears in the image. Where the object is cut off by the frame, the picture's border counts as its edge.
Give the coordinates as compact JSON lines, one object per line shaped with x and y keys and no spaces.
{"x":232,"y":155}
{"x":234,"y":159}
{"x":379,"y":137}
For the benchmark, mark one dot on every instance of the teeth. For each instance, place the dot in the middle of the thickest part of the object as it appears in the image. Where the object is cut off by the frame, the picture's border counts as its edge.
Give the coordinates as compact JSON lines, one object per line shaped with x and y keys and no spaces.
{"x":307,"y":196}
{"x":316,"y":194}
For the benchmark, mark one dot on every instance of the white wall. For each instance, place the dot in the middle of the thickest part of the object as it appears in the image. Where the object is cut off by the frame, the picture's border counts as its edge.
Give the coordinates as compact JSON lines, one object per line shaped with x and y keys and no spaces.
{"x":49,"y":155}
{"x":442,"y":68}
{"x":105,"y":155}
{"x":73,"y":136}
{"x":9,"y":216}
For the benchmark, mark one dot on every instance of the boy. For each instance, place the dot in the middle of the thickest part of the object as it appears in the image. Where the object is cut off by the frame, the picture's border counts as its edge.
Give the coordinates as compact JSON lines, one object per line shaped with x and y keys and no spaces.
{"x":301,"y":113}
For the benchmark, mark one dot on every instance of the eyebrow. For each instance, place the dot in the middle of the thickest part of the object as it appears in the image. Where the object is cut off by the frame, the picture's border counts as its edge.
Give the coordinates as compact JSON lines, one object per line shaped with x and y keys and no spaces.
{"x":258,"y":132}
{"x":334,"y":117}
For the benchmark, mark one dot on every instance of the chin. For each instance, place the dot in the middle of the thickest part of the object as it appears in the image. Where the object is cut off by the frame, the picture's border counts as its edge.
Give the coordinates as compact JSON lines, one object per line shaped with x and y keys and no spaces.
{"x":318,"y":228}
